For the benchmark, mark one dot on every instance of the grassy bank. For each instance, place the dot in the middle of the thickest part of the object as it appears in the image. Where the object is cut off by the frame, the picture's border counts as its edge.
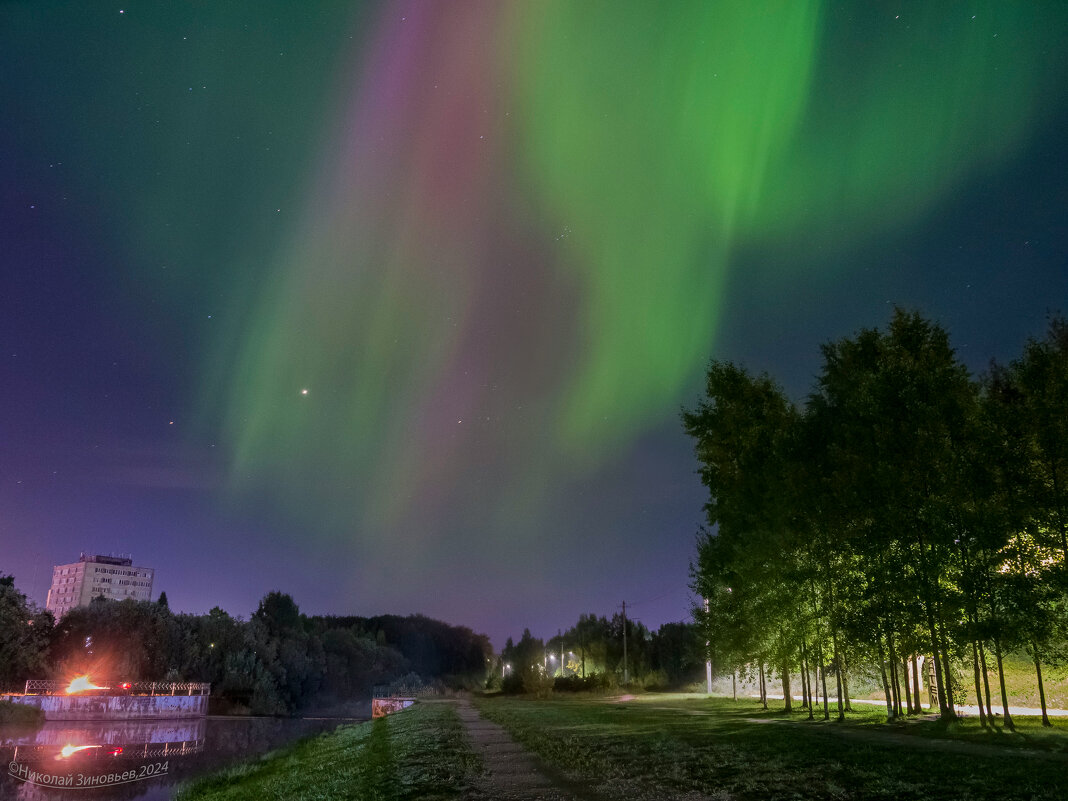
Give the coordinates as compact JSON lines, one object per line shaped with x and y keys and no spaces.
{"x":421,"y":753}
{"x":656,"y":747}
{"x":19,"y":715}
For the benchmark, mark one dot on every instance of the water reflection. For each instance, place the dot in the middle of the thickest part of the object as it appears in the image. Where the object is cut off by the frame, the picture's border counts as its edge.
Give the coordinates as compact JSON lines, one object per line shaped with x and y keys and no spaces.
{"x":135,"y":759}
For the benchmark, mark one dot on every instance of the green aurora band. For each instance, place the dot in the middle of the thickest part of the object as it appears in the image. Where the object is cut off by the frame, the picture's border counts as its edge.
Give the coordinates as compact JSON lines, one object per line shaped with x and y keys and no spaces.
{"x":606,"y":159}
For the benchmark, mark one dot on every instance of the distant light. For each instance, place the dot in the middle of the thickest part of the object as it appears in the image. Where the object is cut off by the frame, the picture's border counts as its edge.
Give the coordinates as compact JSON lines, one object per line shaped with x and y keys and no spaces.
{"x":82,"y":683}
{"x":67,"y":750}
{"x":304,"y":392}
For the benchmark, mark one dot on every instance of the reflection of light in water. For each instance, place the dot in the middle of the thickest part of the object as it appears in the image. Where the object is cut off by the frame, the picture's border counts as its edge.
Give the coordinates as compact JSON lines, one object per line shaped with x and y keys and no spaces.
{"x":67,"y":750}
{"x":82,"y":683}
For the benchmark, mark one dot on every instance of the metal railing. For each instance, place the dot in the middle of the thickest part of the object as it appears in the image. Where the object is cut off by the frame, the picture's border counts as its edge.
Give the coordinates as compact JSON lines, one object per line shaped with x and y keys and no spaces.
{"x":138,"y":751}
{"x":403,"y":691}
{"x":51,"y":687}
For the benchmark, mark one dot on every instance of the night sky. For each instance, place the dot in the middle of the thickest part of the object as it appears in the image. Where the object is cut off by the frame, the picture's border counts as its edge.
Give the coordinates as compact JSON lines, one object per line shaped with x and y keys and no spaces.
{"x":394,"y":306}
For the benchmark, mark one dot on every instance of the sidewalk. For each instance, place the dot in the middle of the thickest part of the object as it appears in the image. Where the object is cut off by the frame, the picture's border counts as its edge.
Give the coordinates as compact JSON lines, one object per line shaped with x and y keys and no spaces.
{"x":512,"y":772}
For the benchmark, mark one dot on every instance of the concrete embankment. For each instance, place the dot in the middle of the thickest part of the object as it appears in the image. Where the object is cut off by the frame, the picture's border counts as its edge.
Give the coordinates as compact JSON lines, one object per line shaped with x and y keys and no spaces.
{"x":116,"y":707}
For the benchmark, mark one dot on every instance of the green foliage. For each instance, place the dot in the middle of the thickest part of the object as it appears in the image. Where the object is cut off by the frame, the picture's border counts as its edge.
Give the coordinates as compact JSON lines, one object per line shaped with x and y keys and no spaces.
{"x":24,"y":636}
{"x":907,"y":508}
{"x":421,"y":753}
{"x":537,"y":683}
{"x":277,"y":663}
{"x":595,"y":683}
{"x":432,"y":648}
{"x":20,"y":716}
{"x":591,"y":653}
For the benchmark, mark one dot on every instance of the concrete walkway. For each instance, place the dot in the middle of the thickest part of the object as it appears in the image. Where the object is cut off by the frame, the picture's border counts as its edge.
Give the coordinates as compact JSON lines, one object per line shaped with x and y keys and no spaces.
{"x":512,"y":772}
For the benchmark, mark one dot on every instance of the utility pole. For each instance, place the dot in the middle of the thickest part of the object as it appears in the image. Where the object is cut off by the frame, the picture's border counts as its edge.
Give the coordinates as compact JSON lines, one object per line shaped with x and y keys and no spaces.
{"x":626,"y":678}
{"x":560,"y":634}
{"x":708,"y":659}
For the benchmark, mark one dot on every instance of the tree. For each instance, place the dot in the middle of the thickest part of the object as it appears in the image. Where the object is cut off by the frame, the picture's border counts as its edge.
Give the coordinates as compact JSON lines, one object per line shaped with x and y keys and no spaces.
{"x":897,"y":406}
{"x":1040,"y":376}
{"x":747,"y":566}
{"x":25,"y":632}
{"x":279,"y":613}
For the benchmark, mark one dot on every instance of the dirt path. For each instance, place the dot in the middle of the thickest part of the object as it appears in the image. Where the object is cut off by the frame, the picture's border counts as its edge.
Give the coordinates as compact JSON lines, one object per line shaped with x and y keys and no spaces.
{"x":512,"y":772}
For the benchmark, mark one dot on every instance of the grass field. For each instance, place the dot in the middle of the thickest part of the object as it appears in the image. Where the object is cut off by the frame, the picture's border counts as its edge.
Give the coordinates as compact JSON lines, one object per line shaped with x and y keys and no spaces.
{"x":664,"y":746}
{"x":421,"y":753}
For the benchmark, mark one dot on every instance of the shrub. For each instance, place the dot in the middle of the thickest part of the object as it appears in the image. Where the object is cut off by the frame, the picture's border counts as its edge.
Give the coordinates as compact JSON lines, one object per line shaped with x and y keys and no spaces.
{"x":537,"y":683}
{"x":595,"y":682}
{"x":12,"y":714}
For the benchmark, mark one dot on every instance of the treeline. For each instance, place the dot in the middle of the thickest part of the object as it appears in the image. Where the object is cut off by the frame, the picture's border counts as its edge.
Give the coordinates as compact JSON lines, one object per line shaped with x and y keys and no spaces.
{"x":905,"y":509}
{"x":590,"y":656}
{"x":277,"y":662}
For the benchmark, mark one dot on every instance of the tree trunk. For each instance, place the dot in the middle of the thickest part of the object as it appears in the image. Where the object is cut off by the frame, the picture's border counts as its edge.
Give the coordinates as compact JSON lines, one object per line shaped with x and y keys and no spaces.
{"x":932,"y":630}
{"x":734,"y":684}
{"x":1041,"y":685}
{"x":886,"y":685}
{"x":823,"y":675}
{"x":895,"y":687}
{"x":950,"y":699}
{"x":845,"y":685}
{"x":805,"y":698}
{"x":978,"y":685}
{"x":986,"y":682}
{"x":787,"y":692}
{"x":1004,"y":696}
{"x":905,"y":681}
{"x":916,"y":685}
{"x":838,"y":674}
{"x":937,"y":665}
{"x":763,"y":687}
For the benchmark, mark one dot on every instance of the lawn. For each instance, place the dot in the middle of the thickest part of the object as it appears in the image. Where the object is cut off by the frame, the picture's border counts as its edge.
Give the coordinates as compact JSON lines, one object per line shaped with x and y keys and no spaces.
{"x":663,"y":746}
{"x":421,"y":753}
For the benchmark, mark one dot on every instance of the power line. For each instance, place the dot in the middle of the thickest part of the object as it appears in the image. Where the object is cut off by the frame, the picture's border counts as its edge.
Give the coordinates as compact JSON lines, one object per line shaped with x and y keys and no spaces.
{"x":662,"y":595}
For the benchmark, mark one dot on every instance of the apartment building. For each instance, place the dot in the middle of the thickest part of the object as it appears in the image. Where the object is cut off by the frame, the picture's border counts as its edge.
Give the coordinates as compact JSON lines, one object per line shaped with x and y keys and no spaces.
{"x":114,"y":577}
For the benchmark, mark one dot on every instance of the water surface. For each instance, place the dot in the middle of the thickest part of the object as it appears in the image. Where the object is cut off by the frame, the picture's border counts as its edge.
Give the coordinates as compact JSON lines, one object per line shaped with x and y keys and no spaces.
{"x":136,"y":759}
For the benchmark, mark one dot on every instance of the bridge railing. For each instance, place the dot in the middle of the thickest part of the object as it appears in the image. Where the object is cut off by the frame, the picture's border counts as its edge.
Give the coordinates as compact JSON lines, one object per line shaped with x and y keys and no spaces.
{"x":52,"y":687}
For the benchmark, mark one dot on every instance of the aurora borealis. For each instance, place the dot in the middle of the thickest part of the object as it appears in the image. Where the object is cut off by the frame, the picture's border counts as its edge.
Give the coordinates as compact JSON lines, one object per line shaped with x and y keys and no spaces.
{"x":393,"y":306}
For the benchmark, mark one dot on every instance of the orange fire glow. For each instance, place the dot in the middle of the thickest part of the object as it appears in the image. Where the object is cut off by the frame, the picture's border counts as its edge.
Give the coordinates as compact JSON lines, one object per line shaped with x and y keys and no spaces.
{"x":81,"y":684}
{"x":67,"y":750}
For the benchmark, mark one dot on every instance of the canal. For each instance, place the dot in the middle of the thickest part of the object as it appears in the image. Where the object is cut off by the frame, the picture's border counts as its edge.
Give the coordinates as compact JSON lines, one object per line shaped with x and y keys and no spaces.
{"x":97,"y":760}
